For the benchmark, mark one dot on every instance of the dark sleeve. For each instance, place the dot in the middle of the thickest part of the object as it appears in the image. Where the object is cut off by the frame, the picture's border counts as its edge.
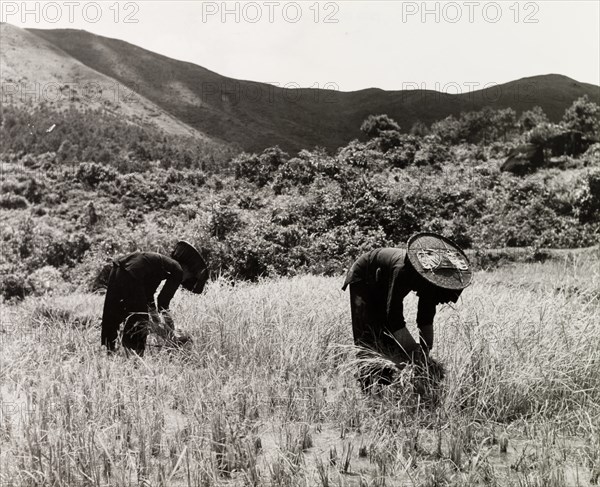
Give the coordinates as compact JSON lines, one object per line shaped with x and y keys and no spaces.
{"x":174,"y":277}
{"x":356,"y":272}
{"x":397,"y":291}
{"x":425,"y":311}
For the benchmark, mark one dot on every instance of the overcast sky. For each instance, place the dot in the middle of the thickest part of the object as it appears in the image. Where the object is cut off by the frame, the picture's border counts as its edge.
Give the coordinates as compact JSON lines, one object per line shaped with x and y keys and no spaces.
{"x":349,"y":44}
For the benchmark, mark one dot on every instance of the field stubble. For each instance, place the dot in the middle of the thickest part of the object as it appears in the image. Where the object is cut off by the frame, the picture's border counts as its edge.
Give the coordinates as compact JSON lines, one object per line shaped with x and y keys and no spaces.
{"x":266,"y":394}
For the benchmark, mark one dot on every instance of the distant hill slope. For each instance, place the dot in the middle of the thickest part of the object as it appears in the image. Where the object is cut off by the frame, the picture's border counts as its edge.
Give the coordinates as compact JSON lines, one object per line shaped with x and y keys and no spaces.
{"x":257,"y":115}
{"x":33,"y":70}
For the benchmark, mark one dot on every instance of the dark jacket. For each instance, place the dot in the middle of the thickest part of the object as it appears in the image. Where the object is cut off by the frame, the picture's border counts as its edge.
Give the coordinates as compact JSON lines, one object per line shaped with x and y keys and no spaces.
{"x":150,"y":269}
{"x":390,"y":278}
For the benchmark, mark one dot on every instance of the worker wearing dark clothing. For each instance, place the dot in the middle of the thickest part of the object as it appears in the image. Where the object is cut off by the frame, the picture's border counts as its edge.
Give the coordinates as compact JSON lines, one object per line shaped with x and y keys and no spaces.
{"x":379,"y":281}
{"x":132,"y":284}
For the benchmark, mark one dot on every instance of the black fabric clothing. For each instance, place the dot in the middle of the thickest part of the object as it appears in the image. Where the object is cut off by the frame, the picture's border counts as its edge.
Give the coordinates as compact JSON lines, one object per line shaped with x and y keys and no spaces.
{"x":132,"y":283}
{"x":389,"y":278}
{"x":379,"y":281}
{"x":367,"y":318}
{"x":368,"y":333}
{"x":150,"y":269}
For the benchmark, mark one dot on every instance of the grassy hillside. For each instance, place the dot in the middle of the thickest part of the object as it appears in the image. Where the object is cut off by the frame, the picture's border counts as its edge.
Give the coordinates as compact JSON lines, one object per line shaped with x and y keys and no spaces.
{"x":257,"y":115}
{"x":35,"y":72}
{"x":266,"y":393}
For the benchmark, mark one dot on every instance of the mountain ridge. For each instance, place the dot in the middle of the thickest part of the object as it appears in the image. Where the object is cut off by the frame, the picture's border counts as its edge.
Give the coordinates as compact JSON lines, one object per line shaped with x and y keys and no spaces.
{"x":254,"y":115}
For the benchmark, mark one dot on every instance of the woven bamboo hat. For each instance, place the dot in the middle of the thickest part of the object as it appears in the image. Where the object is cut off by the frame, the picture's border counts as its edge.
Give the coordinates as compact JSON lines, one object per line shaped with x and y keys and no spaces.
{"x":439,"y":261}
{"x":187,"y":255}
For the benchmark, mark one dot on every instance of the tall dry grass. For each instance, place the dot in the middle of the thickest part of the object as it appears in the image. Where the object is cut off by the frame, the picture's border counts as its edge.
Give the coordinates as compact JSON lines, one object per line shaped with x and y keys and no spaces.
{"x":266,"y":395}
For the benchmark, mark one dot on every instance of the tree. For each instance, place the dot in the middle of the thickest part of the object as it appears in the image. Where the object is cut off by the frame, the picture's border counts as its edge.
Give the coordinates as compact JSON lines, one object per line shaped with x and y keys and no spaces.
{"x":419,"y":129}
{"x":532,"y":118}
{"x":505,"y":122}
{"x":375,"y":124}
{"x":449,"y":130}
{"x":475,"y":126}
{"x":583,"y":115}
{"x":487,"y":125}
{"x":588,"y":204}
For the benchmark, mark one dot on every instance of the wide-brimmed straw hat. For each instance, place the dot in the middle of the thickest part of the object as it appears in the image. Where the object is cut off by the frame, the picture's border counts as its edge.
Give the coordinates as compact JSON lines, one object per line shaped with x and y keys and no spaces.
{"x":439,"y":261}
{"x":187,"y":255}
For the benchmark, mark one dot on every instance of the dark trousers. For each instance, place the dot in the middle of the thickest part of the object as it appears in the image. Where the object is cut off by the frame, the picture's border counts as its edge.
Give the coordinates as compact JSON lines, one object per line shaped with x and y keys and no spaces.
{"x":368,"y":328}
{"x":126,"y":302}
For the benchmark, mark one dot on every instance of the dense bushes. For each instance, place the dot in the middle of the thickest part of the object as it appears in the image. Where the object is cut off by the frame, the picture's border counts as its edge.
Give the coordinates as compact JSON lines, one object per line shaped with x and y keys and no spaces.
{"x":584,"y":116}
{"x":272,"y":213}
{"x":13,"y":202}
{"x":588,"y":202}
{"x":259,"y":169}
{"x":93,"y":174}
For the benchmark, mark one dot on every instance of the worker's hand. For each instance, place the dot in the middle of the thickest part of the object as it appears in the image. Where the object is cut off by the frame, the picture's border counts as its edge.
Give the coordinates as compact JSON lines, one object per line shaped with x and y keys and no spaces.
{"x":420,"y":356}
{"x":167,"y":320}
{"x":180,"y":339}
{"x":400,"y":358}
{"x":154,"y":316}
{"x":431,"y":368}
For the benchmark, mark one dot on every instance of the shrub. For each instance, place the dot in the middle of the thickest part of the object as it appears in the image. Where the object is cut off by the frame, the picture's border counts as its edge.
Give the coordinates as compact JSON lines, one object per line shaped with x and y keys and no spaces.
{"x":419,"y":129}
{"x":432,"y":152}
{"x":327,"y":166}
{"x":259,"y":169}
{"x":541,"y":133}
{"x":449,"y":130}
{"x":374,"y":125}
{"x":502,"y":125}
{"x":457,"y":229}
{"x":13,"y":284}
{"x":13,"y":202}
{"x":532,"y":118}
{"x":404,"y":154}
{"x":591,"y":157}
{"x":140,"y":193}
{"x":67,"y":251}
{"x":34,"y":191}
{"x":388,"y":139}
{"x":173,"y":176}
{"x":335,"y":249}
{"x":47,"y":279}
{"x":360,"y":155}
{"x":248,"y":255}
{"x":195,"y":177}
{"x":583,"y":115}
{"x":223,"y":220}
{"x":93,"y":174}
{"x":588,"y":202}
{"x":295,"y":172}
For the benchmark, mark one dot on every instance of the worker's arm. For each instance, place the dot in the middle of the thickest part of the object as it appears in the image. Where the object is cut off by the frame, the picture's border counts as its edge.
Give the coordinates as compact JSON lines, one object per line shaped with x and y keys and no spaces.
{"x":174,"y":277}
{"x":425,"y":316}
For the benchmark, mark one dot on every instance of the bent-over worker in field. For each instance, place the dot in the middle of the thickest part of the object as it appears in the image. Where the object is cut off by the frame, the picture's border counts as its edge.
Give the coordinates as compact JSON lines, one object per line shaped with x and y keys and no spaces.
{"x":132,"y":283}
{"x":432,"y":266}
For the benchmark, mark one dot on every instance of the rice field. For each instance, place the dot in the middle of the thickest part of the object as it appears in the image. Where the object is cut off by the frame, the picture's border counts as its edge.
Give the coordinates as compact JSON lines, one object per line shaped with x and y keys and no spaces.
{"x":266,"y":394}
